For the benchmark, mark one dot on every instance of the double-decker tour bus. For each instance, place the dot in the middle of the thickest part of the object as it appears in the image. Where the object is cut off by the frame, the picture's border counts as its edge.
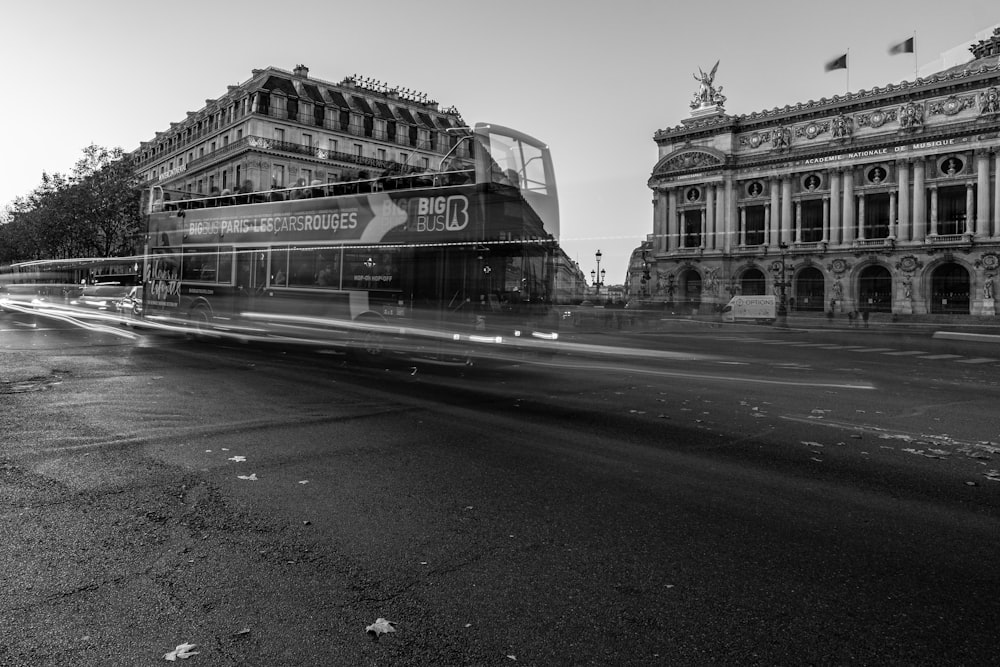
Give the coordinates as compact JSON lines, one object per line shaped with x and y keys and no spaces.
{"x":457,"y":258}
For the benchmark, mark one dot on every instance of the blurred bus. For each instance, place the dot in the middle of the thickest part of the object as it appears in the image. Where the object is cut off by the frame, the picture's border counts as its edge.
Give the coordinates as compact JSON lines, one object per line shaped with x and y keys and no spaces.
{"x":454,"y":258}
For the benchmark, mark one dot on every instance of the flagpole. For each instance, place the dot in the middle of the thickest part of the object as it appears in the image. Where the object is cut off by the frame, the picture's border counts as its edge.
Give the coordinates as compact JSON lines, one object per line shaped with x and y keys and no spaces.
{"x":848,"y":68}
{"x":915,"y":61}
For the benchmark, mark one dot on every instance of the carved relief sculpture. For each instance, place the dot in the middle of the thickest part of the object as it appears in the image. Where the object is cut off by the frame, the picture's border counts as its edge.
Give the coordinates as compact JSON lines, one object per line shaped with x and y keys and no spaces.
{"x":989,"y":101}
{"x":911,"y":116}
{"x":843,"y":127}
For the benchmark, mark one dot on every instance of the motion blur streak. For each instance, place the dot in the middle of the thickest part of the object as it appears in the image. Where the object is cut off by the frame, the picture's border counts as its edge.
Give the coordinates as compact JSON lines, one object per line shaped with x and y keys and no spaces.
{"x":68,"y":317}
{"x":697,"y":376}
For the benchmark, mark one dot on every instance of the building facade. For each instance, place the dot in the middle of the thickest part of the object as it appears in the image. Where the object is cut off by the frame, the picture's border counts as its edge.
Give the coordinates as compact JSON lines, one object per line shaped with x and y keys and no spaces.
{"x":883,"y":200}
{"x":281,"y":128}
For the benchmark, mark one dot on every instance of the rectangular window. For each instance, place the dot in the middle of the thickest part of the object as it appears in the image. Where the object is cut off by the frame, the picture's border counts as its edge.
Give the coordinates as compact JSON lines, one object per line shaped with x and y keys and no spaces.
{"x":307,"y":176}
{"x":404,"y":157}
{"x":278,"y":176}
{"x":307,"y":140}
{"x":692,"y":228}
{"x":332,"y":145}
{"x":381,"y":154}
{"x":754,"y":225}
{"x":812,"y":220}
{"x":279,"y":134}
{"x":358,"y":150}
{"x":211,"y":264}
{"x":212,"y":147}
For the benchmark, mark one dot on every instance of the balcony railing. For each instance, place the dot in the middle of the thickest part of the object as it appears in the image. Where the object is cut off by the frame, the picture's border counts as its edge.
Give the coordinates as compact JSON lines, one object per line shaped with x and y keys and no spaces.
{"x":331,"y":124}
{"x":277,"y":146}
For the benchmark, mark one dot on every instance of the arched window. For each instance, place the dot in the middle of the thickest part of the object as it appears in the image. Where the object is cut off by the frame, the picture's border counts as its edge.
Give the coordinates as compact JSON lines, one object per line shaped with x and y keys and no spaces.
{"x":950,"y":289}
{"x":809,"y":289}
{"x":752,"y":283}
{"x":875,"y":290}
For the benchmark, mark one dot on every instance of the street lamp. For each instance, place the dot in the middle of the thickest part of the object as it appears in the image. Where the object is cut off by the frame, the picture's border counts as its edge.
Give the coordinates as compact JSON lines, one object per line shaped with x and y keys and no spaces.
{"x":598,"y":273}
{"x":782,"y":295}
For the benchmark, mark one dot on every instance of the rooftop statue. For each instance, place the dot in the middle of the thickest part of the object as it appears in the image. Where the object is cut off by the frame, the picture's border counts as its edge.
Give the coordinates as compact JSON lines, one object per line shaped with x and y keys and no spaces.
{"x":708,"y":95}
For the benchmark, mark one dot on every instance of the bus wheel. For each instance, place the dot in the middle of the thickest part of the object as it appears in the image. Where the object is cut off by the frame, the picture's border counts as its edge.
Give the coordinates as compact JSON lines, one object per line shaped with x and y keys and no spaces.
{"x":200,"y":318}
{"x":370,"y":346}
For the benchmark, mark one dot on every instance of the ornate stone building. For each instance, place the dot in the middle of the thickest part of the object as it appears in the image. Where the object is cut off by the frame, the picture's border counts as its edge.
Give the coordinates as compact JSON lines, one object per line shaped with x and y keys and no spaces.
{"x":883,"y":200}
{"x":280,"y":127}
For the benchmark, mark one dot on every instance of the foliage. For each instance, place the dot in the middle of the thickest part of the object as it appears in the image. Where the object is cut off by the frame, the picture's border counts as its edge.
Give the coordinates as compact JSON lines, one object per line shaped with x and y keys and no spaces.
{"x":93,"y":212}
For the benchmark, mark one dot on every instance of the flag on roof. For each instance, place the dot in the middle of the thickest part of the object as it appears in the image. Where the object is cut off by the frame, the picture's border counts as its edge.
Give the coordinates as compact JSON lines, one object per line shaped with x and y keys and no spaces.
{"x":906,"y":46}
{"x":840,"y":62}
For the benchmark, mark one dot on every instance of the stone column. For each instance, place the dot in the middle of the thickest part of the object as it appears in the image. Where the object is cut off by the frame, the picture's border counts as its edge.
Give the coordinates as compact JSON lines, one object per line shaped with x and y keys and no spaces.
{"x":826,"y":220}
{"x":767,"y":221}
{"x":970,"y":221}
{"x":743,"y":226}
{"x":660,"y":220}
{"x":835,"y":235}
{"x":903,"y":230}
{"x":893,"y":223}
{"x":861,"y":217}
{"x":848,"y":213}
{"x":730,"y":214}
{"x":798,"y":222}
{"x":934,"y":210}
{"x":672,"y":232}
{"x":709,"y":241}
{"x":774,"y":227}
{"x":703,"y":229}
{"x":982,"y":194}
{"x":787,"y":222}
{"x":996,"y":194}
{"x":919,"y":202}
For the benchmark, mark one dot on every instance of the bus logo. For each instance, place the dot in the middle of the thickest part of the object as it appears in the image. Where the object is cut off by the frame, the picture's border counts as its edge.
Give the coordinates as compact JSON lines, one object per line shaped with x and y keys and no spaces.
{"x":442,"y":214}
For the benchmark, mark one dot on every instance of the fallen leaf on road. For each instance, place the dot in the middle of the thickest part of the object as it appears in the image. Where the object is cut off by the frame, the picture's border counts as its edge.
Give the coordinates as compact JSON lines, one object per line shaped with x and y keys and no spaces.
{"x":183,"y":651}
{"x":244,"y":631}
{"x":380,"y":627}
{"x":252,"y":477}
{"x":238,"y":459}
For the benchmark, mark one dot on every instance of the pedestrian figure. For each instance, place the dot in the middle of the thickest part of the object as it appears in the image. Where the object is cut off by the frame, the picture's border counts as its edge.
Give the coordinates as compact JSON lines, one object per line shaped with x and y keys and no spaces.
{"x":850,"y":318}
{"x":864,"y":316}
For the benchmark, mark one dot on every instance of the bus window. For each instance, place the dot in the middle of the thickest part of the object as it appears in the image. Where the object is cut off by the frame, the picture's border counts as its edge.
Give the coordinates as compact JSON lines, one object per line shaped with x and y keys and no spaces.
{"x":314,"y":267}
{"x":212,"y":264}
{"x":279,"y":267}
{"x":371,"y":268}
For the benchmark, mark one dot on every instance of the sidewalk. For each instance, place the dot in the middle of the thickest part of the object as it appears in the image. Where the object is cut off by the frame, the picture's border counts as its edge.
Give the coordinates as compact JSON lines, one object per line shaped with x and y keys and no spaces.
{"x":931,"y":326}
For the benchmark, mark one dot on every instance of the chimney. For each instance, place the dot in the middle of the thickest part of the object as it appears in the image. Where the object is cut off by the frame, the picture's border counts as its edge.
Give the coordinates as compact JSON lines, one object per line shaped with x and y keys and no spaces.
{"x":301,"y":70}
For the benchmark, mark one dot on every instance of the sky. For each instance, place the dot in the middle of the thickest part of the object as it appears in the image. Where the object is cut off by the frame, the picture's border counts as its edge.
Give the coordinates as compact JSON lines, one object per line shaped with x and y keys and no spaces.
{"x":593,"y":79}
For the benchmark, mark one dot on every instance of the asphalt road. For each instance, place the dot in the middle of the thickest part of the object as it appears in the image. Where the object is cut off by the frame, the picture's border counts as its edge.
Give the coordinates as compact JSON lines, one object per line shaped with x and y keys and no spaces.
{"x":690,"y":496}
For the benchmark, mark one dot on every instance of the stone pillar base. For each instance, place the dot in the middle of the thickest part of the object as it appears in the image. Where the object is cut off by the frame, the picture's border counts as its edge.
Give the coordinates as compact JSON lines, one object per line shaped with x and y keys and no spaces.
{"x":989,"y":307}
{"x":905,"y":308}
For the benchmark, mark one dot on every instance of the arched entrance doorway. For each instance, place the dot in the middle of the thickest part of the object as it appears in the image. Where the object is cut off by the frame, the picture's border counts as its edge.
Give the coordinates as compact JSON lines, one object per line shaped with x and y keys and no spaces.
{"x":689,"y":290}
{"x":875,"y":289}
{"x":809,"y":289}
{"x":950,"y":289}
{"x":752,"y":283}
